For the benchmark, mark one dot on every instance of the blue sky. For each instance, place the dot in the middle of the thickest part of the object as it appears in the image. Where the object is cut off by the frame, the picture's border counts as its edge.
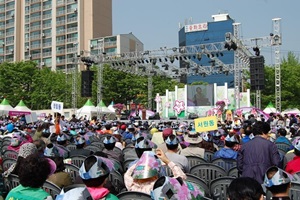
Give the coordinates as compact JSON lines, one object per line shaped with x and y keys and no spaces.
{"x":156,"y":22}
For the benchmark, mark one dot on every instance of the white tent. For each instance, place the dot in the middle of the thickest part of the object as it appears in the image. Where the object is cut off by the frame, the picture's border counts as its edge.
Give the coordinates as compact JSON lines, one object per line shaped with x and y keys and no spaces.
{"x":5,"y":107}
{"x":111,"y":107}
{"x":270,"y":108}
{"x":22,"y":107}
{"x":88,"y":109}
{"x":295,"y":111}
{"x":102,"y":109}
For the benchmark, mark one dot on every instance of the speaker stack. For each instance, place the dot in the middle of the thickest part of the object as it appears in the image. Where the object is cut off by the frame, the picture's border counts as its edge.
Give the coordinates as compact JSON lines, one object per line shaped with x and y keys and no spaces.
{"x":257,"y":73}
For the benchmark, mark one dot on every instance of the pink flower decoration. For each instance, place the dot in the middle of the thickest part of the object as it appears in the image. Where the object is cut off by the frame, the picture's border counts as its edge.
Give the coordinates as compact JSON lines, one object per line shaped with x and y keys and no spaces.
{"x":179,"y":106}
{"x":227,"y":101}
{"x":157,"y":99}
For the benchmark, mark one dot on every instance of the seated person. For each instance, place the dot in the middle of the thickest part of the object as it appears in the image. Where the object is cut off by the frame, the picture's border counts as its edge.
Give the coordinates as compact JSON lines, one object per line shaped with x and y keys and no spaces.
{"x":142,"y":175}
{"x":175,"y":188}
{"x":207,"y":142}
{"x":293,"y":166}
{"x":59,"y":177}
{"x":193,"y":149}
{"x":32,"y":174}
{"x":18,"y":139}
{"x":245,"y":188}
{"x":172,"y":153}
{"x":278,"y":182}
{"x":80,"y":144}
{"x":25,"y":150}
{"x":217,"y":138}
{"x":61,"y":143}
{"x":94,"y":173}
{"x":227,"y":151}
{"x":109,"y":144}
{"x":282,"y":137}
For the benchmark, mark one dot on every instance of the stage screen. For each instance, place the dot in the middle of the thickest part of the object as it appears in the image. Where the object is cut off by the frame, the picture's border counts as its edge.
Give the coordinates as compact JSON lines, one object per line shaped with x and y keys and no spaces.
{"x":200,"y":95}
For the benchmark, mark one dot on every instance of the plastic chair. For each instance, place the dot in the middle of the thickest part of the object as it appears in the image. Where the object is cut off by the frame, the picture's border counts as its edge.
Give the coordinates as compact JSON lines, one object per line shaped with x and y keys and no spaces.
{"x":70,"y":187}
{"x":283,"y":146}
{"x":167,"y":170}
{"x":6,"y":141}
{"x":11,"y":182}
{"x":219,"y":186}
{"x":226,"y":164}
{"x":93,"y":148}
{"x":117,"y":150}
{"x":295,"y":190}
{"x":77,"y":160}
{"x":208,"y":171}
{"x":208,"y":155}
{"x":194,"y":160}
{"x":7,"y":162}
{"x":10,"y":154}
{"x":126,"y":149}
{"x":127,"y":162}
{"x":117,"y":181}
{"x":98,"y":144}
{"x":73,"y":170}
{"x":198,"y":181}
{"x":233,"y":172}
{"x":51,"y":188}
{"x":131,"y":195}
{"x":71,"y":147}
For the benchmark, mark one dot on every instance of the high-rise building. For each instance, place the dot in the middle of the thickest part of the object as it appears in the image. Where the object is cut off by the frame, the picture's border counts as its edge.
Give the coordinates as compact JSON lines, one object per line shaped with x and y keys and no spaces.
{"x":51,"y":32}
{"x":116,"y":44}
{"x":205,"y":33}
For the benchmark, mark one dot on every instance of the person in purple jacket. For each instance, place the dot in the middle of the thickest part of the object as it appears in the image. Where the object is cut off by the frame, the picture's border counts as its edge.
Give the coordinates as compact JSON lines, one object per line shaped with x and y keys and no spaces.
{"x":257,"y":155}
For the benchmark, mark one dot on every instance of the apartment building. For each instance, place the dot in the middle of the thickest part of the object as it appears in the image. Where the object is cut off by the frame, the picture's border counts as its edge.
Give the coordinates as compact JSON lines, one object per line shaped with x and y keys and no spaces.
{"x":51,"y":32}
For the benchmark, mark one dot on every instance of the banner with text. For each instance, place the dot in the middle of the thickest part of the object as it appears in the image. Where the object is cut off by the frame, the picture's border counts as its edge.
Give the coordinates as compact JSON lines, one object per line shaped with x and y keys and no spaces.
{"x":206,"y":124}
{"x":57,"y":106}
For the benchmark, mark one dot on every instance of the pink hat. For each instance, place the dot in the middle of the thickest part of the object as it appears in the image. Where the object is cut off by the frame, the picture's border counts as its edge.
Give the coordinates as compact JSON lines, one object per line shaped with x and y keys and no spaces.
{"x":52,"y":166}
{"x":167,"y":132}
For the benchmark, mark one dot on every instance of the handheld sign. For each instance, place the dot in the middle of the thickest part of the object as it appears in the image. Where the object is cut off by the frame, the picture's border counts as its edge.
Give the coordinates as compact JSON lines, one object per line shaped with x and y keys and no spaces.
{"x":206,"y":124}
{"x":57,"y":106}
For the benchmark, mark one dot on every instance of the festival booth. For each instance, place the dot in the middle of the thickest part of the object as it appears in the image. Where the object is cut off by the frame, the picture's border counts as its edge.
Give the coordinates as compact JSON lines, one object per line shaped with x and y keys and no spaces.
{"x":88,"y":109}
{"x":270,"y":108}
{"x":111,"y":107}
{"x":290,"y":111}
{"x":195,"y":101}
{"x":102,"y":109}
{"x":5,"y":107}
{"x":20,"y":109}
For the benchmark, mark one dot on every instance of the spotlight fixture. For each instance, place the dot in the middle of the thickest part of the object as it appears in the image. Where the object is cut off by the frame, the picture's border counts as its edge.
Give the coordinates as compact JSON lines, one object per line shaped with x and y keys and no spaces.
{"x":199,"y":56}
{"x":172,"y":59}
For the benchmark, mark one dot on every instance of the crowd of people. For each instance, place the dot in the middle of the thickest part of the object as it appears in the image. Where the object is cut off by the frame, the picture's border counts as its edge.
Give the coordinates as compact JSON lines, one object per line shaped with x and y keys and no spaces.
{"x":153,"y":147}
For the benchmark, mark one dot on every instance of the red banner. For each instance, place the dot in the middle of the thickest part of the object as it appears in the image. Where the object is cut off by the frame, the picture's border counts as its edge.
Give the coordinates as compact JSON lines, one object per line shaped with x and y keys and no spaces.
{"x":18,"y":113}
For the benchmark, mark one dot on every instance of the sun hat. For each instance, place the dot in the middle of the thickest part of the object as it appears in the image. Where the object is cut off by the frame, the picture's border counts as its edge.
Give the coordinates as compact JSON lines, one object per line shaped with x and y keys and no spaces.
{"x":193,"y":138}
{"x":169,"y":188}
{"x":147,"y":166}
{"x":99,"y":169}
{"x":279,"y":178}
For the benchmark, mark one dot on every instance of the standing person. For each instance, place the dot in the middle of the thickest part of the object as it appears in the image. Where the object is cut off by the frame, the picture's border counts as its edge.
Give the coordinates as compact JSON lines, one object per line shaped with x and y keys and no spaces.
{"x":257,"y":155}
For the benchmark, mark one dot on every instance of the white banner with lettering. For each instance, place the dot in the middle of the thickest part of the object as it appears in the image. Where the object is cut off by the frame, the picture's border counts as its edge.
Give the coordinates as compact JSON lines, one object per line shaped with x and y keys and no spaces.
{"x":196,"y":27}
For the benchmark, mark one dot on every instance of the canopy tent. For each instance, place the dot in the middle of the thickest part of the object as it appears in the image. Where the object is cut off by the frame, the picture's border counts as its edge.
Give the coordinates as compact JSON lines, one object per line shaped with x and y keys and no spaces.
{"x":102,"y":109}
{"x":5,"y":107}
{"x":270,"y":108}
{"x":252,"y":110}
{"x":22,"y":107}
{"x":294,"y":111}
{"x":111,"y":107}
{"x":88,"y":109}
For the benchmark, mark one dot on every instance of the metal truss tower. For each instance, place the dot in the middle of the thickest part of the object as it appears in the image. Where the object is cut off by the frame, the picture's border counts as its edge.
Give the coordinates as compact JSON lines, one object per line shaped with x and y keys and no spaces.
{"x":276,"y":42}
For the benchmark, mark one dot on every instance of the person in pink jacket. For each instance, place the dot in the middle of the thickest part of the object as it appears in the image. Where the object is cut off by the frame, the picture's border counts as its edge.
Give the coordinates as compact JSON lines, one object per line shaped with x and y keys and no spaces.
{"x":141,"y":176}
{"x":18,"y":139}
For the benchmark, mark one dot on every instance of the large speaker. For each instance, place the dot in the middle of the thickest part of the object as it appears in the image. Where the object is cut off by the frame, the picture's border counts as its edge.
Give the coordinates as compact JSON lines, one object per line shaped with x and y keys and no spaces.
{"x":257,"y":73}
{"x":87,"y":78}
